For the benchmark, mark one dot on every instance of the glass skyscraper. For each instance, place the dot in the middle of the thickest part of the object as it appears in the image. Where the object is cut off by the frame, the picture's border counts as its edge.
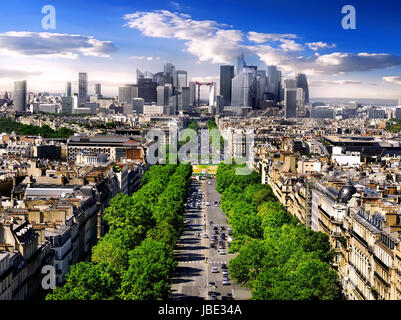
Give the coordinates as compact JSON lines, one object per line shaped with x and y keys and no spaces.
{"x":20,"y":96}
{"x":82,"y":88}
{"x":226,"y":76}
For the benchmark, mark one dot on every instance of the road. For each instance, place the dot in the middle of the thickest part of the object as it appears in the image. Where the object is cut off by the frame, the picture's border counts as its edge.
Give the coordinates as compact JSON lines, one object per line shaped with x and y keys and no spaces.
{"x":196,"y":259}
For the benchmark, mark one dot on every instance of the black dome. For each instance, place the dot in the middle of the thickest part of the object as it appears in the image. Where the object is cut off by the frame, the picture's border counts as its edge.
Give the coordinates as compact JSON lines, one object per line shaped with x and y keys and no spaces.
{"x":346,"y":193}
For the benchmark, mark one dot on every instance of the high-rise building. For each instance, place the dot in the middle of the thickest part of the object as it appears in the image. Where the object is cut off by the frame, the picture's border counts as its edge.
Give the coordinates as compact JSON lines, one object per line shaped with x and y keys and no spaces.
{"x":163,"y":94}
{"x":290,"y":102}
{"x":290,"y":84}
{"x":158,"y":78}
{"x":240,"y":63}
{"x":192,"y":93}
{"x":219,"y":105}
{"x":127,"y":93}
{"x":181,"y":79}
{"x":302,"y":82}
{"x":98,"y":89}
{"x":261,"y":87}
{"x":68,"y":104}
{"x":147,"y":90}
{"x":139,"y":75}
{"x":243,"y":88}
{"x":138,"y":104}
{"x":274,"y":82}
{"x":226,"y":76}
{"x":82,"y":88}
{"x":169,"y":74}
{"x":68,"y":91}
{"x":184,"y":99}
{"x":20,"y":96}
{"x":399,"y":101}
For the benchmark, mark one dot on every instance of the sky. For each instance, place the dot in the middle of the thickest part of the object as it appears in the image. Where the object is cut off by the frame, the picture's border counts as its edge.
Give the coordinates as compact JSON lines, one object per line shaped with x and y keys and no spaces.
{"x":111,"y":39}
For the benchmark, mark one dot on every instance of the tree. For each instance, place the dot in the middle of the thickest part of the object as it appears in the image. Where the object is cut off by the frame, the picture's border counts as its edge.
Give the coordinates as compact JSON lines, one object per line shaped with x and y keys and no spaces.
{"x":147,"y":277}
{"x":88,"y":281}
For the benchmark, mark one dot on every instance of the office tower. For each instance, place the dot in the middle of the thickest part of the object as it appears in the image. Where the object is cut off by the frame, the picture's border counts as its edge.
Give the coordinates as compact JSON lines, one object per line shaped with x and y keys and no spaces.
{"x":139,"y":75}
{"x":399,"y":101}
{"x":68,"y":104}
{"x":302,"y":82}
{"x":274,"y":82}
{"x":20,"y":96}
{"x":192,"y":93}
{"x":158,"y":78}
{"x":128,"y":108}
{"x":290,"y":84}
{"x":261,"y":87}
{"x":374,"y":113}
{"x":398,"y":113}
{"x":172,"y":107}
{"x":219,"y":105}
{"x":82,"y":88}
{"x":138,"y":104}
{"x":147,"y":90}
{"x":226,"y":75}
{"x":68,"y":92}
{"x":301,"y":102}
{"x":240,"y":63}
{"x":241,"y":86}
{"x":184,"y":99}
{"x":290,"y":102}
{"x":181,"y":79}
{"x":169,"y":73}
{"x":98,"y":89}
{"x":163,"y":94}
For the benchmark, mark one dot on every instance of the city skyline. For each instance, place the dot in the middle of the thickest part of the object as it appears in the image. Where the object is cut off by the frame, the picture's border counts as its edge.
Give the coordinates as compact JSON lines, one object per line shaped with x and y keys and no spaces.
{"x":339,"y":63}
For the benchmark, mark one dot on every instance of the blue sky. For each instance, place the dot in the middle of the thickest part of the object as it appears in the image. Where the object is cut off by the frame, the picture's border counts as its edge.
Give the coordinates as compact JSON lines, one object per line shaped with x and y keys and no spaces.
{"x":110,"y":39}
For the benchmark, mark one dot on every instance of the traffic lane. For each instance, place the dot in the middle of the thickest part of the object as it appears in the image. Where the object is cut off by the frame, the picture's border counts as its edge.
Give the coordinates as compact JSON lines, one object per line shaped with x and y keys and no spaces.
{"x":188,"y":281}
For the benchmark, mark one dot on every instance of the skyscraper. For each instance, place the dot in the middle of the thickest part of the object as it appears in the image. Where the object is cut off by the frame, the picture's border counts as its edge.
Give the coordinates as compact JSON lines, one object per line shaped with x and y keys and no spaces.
{"x":147,"y":90}
{"x":163,"y":94}
{"x":302,"y":82}
{"x":181,"y":79}
{"x":240,"y":63}
{"x":127,"y":93}
{"x":212,"y":94}
{"x":82,"y":88}
{"x":399,"y":101}
{"x":226,"y":75}
{"x":290,"y":102}
{"x":20,"y":96}
{"x":274,"y":82}
{"x":184,"y":99}
{"x":68,"y":92}
{"x":192,"y":93}
{"x":98,"y":89}
{"x":169,"y":73}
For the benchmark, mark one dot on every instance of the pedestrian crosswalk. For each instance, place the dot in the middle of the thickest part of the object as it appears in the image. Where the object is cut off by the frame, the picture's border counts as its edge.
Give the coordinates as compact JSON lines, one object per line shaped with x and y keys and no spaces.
{"x":200,"y":225}
{"x":203,"y":261}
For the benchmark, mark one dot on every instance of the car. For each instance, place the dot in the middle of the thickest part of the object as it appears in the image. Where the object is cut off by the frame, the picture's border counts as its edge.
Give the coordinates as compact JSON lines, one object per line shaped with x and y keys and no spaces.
{"x":212,"y":284}
{"x":224,"y":298}
{"x":225,"y":273}
{"x":225,"y":278}
{"x":214,"y":270}
{"x":213,"y":297}
{"x":215,"y":228}
{"x":230,"y":296}
{"x":205,"y":235}
{"x":221,"y":251}
{"x":224,"y":266}
{"x":212,"y":245}
{"x":187,"y":220}
{"x":225,"y":282}
{"x":216,"y":231}
{"x":209,"y":182}
{"x":207,"y":204}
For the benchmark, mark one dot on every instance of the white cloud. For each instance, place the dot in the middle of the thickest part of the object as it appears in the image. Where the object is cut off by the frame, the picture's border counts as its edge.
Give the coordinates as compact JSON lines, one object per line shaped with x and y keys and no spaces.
{"x":213,"y":42}
{"x":315,"y":46}
{"x":204,"y":39}
{"x":258,"y":37}
{"x":52,"y":45}
{"x":393,"y":79}
{"x":319,"y":83}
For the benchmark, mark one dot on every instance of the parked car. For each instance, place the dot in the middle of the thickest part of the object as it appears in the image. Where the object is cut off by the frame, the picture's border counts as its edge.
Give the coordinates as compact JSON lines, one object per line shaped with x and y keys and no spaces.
{"x":214,"y":270}
{"x":213,"y":297}
{"x":225,"y":282}
{"x":224,"y":266}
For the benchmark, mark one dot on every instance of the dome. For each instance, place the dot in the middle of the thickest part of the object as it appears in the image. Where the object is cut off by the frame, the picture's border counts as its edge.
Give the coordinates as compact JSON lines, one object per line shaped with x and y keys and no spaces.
{"x":346,"y":193}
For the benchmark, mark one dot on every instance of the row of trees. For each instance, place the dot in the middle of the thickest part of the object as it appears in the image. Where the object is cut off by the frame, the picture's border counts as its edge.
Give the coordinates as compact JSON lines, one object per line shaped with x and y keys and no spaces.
{"x":134,"y":260}
{"x":278,"y":257}
{"x":7,"y":125}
